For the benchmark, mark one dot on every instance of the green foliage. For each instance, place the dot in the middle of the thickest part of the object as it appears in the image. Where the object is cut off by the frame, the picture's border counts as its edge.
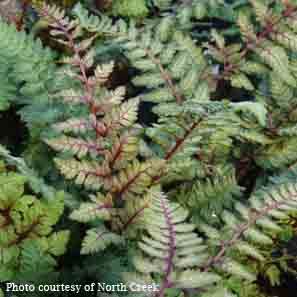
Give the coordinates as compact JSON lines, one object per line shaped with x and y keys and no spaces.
{"x":36,"y":183}
{"x":208,"y":198}
{"x":8,"y":90}
{"x":128,"y":8}
{"x":28,"y":69}
{"x":178,"y":121}
{"x":29,"y":245}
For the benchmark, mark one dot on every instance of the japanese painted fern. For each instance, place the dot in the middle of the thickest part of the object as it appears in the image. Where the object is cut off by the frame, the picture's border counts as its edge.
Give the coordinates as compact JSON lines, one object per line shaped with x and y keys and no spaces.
{"x":102,"y":142}
{"x":172,"y":249}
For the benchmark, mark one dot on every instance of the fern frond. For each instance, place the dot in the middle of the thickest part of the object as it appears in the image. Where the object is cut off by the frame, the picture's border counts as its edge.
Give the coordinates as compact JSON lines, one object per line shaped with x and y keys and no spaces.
{"x":30,"y":74}
{"x":163,"y":64}
{"x":174,"y":68}
{"x":251,"y":227}
{"x":104,"y":137}
{"x":171,"y":248}
{"x":270,"y":42}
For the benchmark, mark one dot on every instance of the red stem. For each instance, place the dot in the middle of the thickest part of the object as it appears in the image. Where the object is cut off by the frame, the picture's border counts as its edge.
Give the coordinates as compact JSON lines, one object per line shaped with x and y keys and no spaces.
{"x":88,"y":88}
